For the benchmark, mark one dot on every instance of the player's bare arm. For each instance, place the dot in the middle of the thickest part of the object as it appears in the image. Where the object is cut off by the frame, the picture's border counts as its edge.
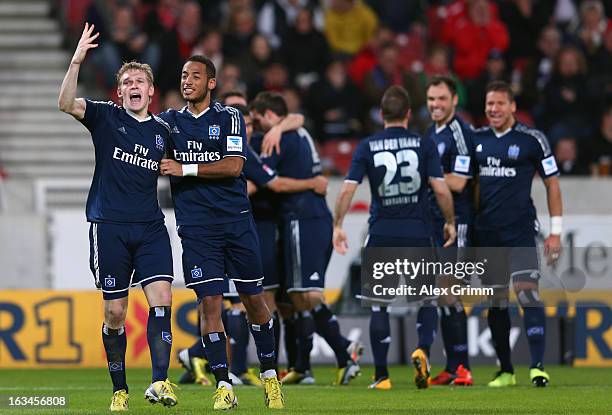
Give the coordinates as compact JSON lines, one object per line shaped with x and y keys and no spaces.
{"x":227,"y":167}
{"x":272,"y":138}
{"x":343,"y":203}
{"x":445,"y":202}
{"x":455,"y":183}
{"x":318,"y":184}
{"x":552,"y":244}
{"x":68,"y":102}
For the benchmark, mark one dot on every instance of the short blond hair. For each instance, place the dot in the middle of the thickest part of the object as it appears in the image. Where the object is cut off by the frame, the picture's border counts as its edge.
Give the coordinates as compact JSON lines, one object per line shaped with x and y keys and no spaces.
{"x":133,"y":65}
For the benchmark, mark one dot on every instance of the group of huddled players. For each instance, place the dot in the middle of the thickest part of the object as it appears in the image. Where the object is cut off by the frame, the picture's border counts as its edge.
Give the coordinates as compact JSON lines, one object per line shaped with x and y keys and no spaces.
{"x":268,"y":255}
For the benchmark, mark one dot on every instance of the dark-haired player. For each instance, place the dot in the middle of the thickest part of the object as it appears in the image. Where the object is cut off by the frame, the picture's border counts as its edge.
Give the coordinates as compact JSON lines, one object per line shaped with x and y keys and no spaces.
{"x":129,"y":243}
{"x":306,"y":231}
{"x":508,"y":155}
{"x":216,"y":225}
{"x":400,"y":165}
{"x":453,"y":139}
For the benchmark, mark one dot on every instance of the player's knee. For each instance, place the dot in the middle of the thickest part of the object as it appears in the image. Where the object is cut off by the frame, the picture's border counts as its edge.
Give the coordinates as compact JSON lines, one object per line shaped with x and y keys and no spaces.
{"x":313,"y":299}
{"x":529,"y":298}
{"x":211,"y":308}
{"x":114,"y":313}
{"x":500,"y":298}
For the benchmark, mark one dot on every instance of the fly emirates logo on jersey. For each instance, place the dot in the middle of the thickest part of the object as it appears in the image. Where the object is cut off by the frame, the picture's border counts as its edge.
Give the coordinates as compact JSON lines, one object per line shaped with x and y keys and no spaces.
{"x":137,"y":158}
{"x":495,"y":169}
{"x":194,"y":153}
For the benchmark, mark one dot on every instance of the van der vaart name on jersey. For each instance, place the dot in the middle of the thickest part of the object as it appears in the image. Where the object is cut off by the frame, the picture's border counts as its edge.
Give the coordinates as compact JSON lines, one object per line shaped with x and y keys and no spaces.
{"x":137,"y":158}
{"x":394,"y":143}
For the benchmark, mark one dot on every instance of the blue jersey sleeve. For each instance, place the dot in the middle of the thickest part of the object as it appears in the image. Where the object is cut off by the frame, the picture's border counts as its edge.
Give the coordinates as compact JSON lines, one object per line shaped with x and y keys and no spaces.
{"x":257,"y":171}
{"x":359,"y":163}
{"x":96,"y":112}
{"x":431,"y":158}
{"x":546,"y":164}
{"x":234,"y":135}
{"x":462,"y":151}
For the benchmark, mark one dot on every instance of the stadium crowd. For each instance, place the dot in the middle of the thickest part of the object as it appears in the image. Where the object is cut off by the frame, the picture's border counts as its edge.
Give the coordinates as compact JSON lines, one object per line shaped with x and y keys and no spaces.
{"x":333,"y":59}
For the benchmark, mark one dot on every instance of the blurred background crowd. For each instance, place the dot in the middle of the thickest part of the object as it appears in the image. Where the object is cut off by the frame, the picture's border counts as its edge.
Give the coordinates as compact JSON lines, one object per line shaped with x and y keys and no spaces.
{"x":333,"y":59}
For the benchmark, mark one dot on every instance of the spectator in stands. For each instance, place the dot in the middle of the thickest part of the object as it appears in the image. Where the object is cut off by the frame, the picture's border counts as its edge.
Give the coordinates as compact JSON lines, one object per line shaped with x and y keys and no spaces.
{"x":277,"y":17}
{"x":349,"y":24}
{"x":539,"y":70}
{"x":592,"y":28}
{"x":125,"y":43}
{"x":178,"y":45}
{"x":229,"y":79}
{"x":210,"y":44}
{"x":305,"y":50}
{"x":334,"y":104}
{"x":495,"y":70}
{"x":366,"y":59}
{"x":473,"y":37}
{"x":256,"y":59}
{"x":565,"y":98}
{"x":438,"y":63}
{"x":161,"y":19}
{"x":568,"y":160}
{"x":239,"y":33}
{"x":524,"y":19}
{"x":398,"y":15}
{"x":598,"y":150}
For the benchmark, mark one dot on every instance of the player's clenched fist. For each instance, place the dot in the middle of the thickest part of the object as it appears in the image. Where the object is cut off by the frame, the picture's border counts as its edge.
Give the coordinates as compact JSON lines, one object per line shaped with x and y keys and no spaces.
{"x":85,"y":43}
{"x":320,"y":184}
{"x":169,"y":167}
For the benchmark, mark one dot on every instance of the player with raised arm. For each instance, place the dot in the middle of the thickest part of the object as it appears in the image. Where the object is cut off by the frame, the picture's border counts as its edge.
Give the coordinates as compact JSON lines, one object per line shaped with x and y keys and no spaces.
{"x":216,"y":225}
{"x":306,"y":231}
{"x":508,"y":155}
{"x":453,"y":139}
{"x":129,"y":243}
{"x":399,"y":209}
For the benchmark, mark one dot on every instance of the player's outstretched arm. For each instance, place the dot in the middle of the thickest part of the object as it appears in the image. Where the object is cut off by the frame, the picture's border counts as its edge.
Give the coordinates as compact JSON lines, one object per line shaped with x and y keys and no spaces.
{"x":445,"y":202}
{"x":272,"y":138}
{"x":318,"y":184}
{"x":455,"y":183}
{"x":68,"y":102}
{"x":227,"y":167}
{"x":552,"y":244}
{"x":343,"y":203}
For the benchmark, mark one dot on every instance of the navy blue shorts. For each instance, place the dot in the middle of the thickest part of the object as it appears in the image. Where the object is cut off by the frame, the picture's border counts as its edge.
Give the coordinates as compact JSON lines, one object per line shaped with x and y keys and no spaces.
{"x":122,"y":255}
{"x":510,"y":253}
{"x":268,"y":243}
{"x":213,"y":253}
{"x":383,"y":241}
{"x":307,"y":248}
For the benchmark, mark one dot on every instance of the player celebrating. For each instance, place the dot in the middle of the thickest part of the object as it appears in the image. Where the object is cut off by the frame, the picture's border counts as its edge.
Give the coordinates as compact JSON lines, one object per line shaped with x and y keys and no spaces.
{"x":453,"y":139}
{"x":216,"y":225}
{"x":508,"y":155}
{"x":306,"y":237}
{"x":394,"y":221}
{"x":129,"y":243}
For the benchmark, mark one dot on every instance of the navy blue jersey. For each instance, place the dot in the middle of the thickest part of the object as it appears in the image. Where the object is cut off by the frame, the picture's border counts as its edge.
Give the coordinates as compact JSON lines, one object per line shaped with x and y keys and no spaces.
{"x":212,"y":135}
{"x":398,"y":164}
{"x":507,"y":163}
{"x":299,"y":159}
{"x":456,"y":149}
{"x":265,"y":203}
{"x":128,"y":152}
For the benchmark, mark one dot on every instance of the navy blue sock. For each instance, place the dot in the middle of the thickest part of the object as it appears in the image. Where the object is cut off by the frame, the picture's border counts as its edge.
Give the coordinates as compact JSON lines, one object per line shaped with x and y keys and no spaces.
{"x":197,"y":349}
{"x":305,"y":328}
{"x":380,"y":339}
{"x":159,"y":336}
{"x":276,"y":327}
{"x":263,"y":334}
{"x":328,"y":327}
{"x":427,"y":321}
{"x":238,"y":331}
{"x":499,"y":323}
{"x":534,"y":319}
{"x":216,"y":353}
{"x":290,"y":334}
{"x":115,"y":343}
{"x":453,"y":324}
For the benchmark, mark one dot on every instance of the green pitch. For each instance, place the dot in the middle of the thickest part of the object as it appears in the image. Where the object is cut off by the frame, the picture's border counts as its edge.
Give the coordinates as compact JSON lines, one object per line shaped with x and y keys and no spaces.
{"x":573,"y":391}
